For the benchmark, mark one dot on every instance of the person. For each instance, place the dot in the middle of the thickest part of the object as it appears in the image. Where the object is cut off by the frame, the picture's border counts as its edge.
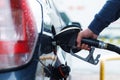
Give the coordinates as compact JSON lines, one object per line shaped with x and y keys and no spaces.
{"x":109,"y":13}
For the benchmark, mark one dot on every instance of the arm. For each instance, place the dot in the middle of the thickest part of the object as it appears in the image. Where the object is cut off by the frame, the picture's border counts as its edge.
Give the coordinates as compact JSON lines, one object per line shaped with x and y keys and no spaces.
{"x":108,"y":14}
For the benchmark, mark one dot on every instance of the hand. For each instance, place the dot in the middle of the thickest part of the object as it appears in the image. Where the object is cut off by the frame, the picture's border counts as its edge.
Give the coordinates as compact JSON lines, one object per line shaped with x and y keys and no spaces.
{"x":87,"y":33}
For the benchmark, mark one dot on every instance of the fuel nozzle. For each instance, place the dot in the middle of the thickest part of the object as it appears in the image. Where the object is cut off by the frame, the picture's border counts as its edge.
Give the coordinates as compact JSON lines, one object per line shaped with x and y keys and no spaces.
{"x":66,"y":39}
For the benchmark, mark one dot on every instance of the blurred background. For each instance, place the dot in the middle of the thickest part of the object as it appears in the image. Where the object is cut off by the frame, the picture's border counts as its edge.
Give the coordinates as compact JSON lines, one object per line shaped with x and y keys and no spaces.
{"x":83,"y":11}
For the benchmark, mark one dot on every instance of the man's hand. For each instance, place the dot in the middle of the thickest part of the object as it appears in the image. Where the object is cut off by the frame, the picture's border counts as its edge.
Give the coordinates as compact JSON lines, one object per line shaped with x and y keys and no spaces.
{"x":87,"y":33}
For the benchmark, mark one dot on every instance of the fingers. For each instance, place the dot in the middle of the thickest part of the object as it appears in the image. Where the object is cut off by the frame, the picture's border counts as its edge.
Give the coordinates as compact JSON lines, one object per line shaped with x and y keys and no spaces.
{"x":86,"y":34}
{"x":79,"y":44}
{"x":85,"y":46}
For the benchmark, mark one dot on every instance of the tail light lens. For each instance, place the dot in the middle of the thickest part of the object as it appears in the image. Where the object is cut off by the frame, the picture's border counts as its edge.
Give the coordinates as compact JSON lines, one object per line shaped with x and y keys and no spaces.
{"x":18,"y":33}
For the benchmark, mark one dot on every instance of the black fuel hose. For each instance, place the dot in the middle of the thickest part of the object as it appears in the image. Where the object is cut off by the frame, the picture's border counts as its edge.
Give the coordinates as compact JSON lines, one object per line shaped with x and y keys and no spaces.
{"x":100,"y":44}
{"x":114,"y":48}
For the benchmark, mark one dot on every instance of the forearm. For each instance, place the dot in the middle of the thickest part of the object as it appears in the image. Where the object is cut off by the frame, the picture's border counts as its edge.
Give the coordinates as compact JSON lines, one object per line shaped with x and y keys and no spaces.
{"x":109,"y":13}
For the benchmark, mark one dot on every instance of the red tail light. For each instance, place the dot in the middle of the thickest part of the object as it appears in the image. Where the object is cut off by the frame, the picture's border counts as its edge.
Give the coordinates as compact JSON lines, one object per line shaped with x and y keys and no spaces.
{"x":17,"y":33}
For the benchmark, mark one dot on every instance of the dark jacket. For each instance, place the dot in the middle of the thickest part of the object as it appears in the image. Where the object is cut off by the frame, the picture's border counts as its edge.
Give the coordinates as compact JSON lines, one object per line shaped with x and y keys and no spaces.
{"x":108,"y":14}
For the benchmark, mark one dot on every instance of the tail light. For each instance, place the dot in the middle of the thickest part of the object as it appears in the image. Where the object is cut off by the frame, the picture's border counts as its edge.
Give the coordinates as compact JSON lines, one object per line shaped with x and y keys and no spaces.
{"x":17,"y":33}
